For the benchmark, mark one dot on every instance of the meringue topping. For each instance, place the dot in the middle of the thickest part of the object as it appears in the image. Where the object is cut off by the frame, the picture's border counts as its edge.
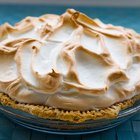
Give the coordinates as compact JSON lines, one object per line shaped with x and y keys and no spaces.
{"x":70,"y":62}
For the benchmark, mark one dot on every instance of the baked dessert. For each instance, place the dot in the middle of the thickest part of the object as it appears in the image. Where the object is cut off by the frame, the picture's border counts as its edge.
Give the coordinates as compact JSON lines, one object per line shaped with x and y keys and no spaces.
{"x":69,"y":67}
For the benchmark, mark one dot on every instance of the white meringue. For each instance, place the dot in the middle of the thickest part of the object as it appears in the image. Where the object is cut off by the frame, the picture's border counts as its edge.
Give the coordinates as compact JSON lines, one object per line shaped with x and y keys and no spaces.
{"x":70,"y":62}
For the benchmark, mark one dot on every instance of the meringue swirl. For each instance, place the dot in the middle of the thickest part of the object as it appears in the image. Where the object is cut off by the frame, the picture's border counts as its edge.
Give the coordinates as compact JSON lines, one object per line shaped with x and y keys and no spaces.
{"x":70,"y":62}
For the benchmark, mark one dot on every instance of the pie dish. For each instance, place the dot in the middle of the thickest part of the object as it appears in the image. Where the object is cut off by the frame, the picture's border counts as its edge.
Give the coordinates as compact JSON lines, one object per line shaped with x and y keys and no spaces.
{"x":69,"y":67}
{"x":61,"y":127}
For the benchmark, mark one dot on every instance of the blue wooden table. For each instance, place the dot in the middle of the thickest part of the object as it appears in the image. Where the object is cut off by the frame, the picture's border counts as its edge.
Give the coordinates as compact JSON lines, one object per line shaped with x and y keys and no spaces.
{"x":128,"y":17}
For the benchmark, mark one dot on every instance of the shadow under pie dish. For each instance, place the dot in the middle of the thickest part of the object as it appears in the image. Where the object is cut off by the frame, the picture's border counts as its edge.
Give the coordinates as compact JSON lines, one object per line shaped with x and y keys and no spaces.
{"x":69,"y":67}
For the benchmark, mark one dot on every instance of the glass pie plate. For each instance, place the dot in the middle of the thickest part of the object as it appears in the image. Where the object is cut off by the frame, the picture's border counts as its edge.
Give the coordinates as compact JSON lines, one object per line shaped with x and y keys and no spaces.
{"x":64,"y":127}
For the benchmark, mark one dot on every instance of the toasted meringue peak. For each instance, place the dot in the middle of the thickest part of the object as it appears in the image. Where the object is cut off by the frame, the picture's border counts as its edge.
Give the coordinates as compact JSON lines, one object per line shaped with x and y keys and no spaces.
{"x":70,"y":61}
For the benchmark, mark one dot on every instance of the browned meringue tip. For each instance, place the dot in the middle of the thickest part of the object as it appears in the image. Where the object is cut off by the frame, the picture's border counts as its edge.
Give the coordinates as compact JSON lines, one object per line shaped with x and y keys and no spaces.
{"x":138,"y":87}
{"x":54,"y":74}
{"x":117,"y":76}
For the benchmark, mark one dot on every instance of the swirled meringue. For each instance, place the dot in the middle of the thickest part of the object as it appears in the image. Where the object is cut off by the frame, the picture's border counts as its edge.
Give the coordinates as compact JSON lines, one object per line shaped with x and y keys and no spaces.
{"x":70,"y":62}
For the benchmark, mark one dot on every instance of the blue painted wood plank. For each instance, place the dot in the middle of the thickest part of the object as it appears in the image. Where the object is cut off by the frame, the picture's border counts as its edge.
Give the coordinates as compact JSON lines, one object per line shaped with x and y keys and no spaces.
{"x":126,"y":126}
{"x":136,"y":126}
{"x":94,"y":136}
{"x":6,"y":128}
{"x":137,"y":135}
{"x":77,"y":137}
{"x":1,"y":115}
{"x":38,"y":135}
{"x":5,"y":138}
{"x":5,"y":122}
{"x":55,"y":137}
{"x":136,"y":117}
{"x":108,"y":135}
{"x":21,"y":133}
{"x":6,"y":132}
{"x":125,"y":135}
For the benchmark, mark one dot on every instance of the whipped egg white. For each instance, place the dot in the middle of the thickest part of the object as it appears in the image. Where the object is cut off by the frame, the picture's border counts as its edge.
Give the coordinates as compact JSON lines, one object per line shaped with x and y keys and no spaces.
{"x":70,"y":62}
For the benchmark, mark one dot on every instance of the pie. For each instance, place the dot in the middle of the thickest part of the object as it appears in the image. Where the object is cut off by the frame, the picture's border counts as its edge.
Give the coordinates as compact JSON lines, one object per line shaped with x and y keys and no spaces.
{"x":69,"y":67}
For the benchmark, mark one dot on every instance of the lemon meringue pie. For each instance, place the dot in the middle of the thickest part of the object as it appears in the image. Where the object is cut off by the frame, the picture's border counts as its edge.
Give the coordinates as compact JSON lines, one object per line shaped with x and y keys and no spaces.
{"x":69,"y":67}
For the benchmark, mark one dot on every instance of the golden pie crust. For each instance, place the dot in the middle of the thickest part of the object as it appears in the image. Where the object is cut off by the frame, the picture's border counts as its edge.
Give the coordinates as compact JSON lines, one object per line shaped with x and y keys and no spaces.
{"x":65,"y":115}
